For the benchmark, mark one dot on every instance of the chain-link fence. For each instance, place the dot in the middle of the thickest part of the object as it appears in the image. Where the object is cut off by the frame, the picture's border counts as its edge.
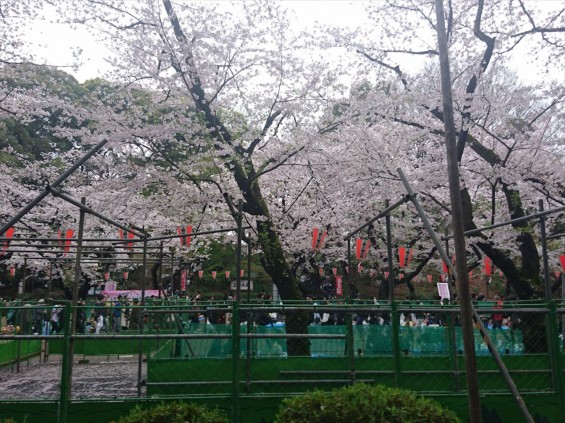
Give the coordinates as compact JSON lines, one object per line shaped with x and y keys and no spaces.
{"x":230,"y":349}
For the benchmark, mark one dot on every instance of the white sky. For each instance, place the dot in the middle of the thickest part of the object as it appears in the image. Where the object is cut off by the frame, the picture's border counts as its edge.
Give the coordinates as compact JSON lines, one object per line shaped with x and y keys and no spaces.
{"x":57,"y":42}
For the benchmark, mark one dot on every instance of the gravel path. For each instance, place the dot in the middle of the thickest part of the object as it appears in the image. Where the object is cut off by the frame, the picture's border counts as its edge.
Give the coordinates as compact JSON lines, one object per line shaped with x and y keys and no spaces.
{"x":101,"y":377}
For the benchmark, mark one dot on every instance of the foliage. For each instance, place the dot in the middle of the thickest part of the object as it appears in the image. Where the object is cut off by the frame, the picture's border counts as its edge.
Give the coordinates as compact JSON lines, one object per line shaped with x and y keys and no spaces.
{"x":174,"y":413}
{"x":363,"y":403}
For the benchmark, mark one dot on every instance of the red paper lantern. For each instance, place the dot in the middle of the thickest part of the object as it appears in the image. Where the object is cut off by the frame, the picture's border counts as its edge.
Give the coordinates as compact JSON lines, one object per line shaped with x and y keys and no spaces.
{"x":321,"y":271}
{"x":401,"y":276}
{"x":488,"y":266}
{"x":367,"y":248}
{"x":200,"y":273}
{"x":386,"y":275}
{"x":12,"y":270}
{"x":106,"y":276}
{"x":334,"y":271}
{"x":430,"y":278}
{"x":241,"y":272}
{"x":227,"y":274}
{"x":322,"y":240}
{"x":315,"y":233}
{"x":557,"y":272}
{"x":401,"y":256}
{"x":9,"y":234}
{"x":358,"y":246}
{"x":126,"y":275}
{"x":214,"y":274}
{"x":410,"y":255}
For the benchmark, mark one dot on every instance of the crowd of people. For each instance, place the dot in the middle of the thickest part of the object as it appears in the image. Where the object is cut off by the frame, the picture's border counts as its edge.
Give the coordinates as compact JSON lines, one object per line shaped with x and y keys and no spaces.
{"x":122,"y":313}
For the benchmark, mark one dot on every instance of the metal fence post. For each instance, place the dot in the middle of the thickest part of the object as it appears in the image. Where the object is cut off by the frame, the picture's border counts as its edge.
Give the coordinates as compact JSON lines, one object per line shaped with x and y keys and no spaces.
{"x":235,"y":361}
{"x":395,"y":322}
{"x":556,"y":370}
{"x":63,"y":410}
{"x":350,"y":345}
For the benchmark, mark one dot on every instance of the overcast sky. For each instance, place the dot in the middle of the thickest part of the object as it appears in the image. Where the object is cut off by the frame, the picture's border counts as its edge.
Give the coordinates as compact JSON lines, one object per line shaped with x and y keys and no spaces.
{"x":57,"y":42}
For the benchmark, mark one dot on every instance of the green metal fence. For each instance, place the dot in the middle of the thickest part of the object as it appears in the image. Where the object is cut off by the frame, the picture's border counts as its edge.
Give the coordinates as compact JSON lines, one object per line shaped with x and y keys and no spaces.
{"x":236,"y":352}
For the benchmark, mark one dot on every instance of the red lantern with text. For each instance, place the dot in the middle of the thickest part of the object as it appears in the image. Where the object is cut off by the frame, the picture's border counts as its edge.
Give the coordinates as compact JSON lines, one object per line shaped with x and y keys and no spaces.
{"x":338,"y":286}
{"x":214,"y":274}
{"x":200,"y":273}
{"x":183,"y":280}
{"x":227,"y":274}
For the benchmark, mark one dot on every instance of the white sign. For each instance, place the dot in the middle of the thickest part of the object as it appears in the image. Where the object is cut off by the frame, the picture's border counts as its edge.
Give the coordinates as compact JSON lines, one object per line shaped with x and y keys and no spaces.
{"x":242,"y":285}
{"x":443,"y":290}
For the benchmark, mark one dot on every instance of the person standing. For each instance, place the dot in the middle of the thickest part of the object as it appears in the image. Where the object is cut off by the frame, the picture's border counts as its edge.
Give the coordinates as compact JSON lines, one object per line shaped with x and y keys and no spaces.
{"x":117,"y":316}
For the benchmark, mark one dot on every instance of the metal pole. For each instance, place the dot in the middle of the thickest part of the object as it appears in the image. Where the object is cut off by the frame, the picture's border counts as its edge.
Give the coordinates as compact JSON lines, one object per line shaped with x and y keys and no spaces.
{"x":141,"y":320}
{"x":544,"y":255}
{"x":388,"y":209}
{"x":484,"y":333}
{"x":172,"y":265}
{"x":389,"y":255}
{"x":517,"y":220}
{"x":238,"y":248}
{"x":394,"y":317}
{"x":76,"y":283}
{"x":55,"y":184}
{"x":22,"y":312}
{"x":563,"y":301}
{"x":88,"y":210}
{"x":236,"y":329}
{"x":160,"y":273}
{"x":349,"y":269}
{"x":249,"y":251}
{"x":63,"y":409}
{"x":49,"y":281}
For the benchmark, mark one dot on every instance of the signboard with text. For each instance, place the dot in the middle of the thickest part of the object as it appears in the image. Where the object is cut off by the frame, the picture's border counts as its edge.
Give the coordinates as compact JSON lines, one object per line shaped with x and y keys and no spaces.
{"x":443,"y":290}
{"x":243,"y":285}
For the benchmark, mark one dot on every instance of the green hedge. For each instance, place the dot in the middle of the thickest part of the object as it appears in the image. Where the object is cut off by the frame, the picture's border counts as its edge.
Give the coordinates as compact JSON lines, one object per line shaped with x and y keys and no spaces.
{"x":363,"y":403}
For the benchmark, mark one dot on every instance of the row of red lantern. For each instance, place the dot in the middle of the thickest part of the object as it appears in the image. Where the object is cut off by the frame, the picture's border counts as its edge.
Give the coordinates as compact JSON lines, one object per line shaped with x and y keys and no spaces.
{"x":107,"y":276}
{"x":214,"y":273}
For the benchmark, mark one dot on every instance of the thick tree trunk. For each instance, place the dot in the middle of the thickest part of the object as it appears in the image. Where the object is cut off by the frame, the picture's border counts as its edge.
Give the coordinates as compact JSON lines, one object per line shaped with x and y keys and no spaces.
{"x":277,"y":267}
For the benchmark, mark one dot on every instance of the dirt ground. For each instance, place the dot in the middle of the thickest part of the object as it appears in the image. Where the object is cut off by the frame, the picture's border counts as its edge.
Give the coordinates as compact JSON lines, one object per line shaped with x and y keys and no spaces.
{"x":100,"y":377}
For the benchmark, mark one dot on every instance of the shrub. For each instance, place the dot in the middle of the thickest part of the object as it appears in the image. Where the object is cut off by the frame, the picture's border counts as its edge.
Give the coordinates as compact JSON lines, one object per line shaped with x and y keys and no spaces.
{"x":174,"y":413}
{"x":363,"y":403}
